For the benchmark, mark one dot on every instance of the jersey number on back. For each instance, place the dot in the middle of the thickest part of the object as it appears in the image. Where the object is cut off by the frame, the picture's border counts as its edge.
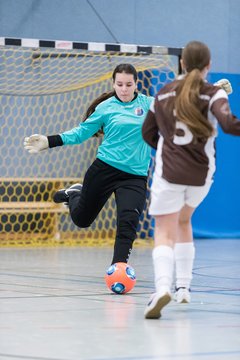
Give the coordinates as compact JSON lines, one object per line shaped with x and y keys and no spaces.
{"x":186,"y":135}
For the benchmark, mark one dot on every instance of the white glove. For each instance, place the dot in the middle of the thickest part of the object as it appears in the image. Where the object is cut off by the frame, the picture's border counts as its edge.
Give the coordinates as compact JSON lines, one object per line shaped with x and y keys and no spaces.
{"x":36,"y":143}
{"x":225,"y":85}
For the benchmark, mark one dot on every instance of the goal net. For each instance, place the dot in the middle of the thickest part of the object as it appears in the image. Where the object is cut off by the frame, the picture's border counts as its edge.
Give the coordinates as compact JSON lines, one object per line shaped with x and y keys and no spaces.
{"x":45,"y":88}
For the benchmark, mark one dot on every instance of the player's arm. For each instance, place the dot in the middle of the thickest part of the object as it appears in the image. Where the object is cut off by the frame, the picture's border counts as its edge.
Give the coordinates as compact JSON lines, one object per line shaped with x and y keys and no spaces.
{"x":150,"y":131}
{"x":221,"y":110}
{"x":37,"y":143}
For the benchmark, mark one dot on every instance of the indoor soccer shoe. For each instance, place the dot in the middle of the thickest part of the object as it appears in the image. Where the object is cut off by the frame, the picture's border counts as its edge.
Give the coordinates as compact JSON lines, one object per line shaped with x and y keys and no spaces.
{"x":62,"y":195}
{"x":182,"y":295}
{"x":155,"y":305}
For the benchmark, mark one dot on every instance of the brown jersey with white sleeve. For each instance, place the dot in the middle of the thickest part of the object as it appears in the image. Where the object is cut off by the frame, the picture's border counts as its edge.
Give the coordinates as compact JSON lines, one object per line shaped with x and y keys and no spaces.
{"x":180,"y":158}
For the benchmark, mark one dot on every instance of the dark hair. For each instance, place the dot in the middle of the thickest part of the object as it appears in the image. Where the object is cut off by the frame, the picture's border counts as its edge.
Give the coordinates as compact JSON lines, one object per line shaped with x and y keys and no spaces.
{"x":196,"y":56}
{"x":125,"y":68}
{"x":121,"y":68}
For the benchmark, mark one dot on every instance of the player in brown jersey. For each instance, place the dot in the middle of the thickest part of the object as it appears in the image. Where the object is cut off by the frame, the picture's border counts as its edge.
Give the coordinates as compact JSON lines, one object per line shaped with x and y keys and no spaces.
{"x":182,"y":126}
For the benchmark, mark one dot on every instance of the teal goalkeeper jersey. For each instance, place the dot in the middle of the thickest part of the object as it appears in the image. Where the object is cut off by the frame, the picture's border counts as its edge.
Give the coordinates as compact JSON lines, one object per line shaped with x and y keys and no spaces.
{"x":123,"y":146}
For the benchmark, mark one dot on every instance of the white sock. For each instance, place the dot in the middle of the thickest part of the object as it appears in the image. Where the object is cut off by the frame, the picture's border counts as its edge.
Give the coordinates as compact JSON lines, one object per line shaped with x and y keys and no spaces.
{"x":163,"y":262}
{"x":184,"y":254}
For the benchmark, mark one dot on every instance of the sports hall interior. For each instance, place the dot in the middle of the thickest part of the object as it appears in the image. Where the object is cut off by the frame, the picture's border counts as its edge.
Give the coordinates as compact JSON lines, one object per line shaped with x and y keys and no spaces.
{"x":54,"y":304}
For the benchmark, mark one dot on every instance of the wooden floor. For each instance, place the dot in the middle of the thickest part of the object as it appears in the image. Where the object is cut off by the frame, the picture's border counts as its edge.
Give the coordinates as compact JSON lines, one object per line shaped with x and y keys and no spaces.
{"x":54,"y":306}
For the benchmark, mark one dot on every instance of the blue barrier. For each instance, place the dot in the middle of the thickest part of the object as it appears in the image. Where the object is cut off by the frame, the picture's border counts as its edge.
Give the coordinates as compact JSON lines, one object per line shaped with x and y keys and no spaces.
{"x":219,"y":214}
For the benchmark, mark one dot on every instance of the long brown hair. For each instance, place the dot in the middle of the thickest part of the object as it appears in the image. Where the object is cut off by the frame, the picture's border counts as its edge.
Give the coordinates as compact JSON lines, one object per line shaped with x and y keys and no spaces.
{"x":195,"y":57}
{"x":121,"y":68}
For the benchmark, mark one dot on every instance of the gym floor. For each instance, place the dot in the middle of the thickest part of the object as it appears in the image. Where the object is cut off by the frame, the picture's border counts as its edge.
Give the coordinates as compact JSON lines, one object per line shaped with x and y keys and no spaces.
{"x":54,"y":305}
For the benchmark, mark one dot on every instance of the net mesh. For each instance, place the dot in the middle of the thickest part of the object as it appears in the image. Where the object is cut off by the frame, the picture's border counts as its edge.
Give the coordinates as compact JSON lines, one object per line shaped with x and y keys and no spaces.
{"x":47,"y":91}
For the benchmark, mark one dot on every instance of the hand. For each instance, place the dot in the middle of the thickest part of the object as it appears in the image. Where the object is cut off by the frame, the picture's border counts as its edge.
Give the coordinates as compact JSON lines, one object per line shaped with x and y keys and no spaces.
{"x":36,"y":143}
{"x":225,"y":85}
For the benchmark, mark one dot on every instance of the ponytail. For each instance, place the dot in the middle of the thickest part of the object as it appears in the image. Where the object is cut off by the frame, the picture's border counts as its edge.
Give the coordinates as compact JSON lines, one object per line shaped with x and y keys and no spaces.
{"x":187,"y":105}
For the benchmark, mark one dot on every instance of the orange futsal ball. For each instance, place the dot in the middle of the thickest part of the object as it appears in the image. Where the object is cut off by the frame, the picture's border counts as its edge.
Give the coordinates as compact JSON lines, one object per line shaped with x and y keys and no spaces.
{"x":120,"y":278}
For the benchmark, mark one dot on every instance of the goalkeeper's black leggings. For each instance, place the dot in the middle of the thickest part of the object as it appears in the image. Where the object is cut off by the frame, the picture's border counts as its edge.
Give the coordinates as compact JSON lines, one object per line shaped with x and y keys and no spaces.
{"x":101,"y":180}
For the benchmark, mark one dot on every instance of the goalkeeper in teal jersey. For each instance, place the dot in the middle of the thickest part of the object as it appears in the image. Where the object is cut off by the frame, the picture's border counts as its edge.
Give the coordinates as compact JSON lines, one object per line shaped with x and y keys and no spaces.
{"x":121,"y":164}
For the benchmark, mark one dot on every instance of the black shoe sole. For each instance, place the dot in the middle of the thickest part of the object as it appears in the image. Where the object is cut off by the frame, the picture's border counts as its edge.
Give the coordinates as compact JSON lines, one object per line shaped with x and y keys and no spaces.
{"x":60,"y":197}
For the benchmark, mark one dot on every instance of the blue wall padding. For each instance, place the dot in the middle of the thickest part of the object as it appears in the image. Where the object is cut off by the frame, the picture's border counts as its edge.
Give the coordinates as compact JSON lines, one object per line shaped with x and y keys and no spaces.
{"x":219,"y":214}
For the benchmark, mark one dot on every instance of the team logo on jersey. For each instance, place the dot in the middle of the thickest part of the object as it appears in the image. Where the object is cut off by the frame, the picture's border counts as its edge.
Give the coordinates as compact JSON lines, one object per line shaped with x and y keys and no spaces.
{"x":138,"y":111}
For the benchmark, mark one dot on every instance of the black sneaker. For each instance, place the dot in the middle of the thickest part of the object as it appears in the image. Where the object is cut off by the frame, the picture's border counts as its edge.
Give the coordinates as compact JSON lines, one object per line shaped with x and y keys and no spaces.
{"x":62,"y":195}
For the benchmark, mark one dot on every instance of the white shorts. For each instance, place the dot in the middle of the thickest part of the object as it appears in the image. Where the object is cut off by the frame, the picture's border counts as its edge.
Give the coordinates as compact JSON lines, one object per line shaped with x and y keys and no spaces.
{"x":168,"y":198}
